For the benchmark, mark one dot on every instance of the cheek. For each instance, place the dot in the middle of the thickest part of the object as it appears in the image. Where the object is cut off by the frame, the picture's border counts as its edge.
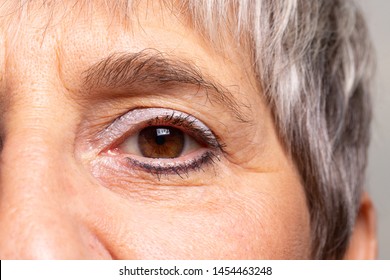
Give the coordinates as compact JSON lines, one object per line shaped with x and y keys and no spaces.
{"x":264,"y":218}
{"x":259,"y":217}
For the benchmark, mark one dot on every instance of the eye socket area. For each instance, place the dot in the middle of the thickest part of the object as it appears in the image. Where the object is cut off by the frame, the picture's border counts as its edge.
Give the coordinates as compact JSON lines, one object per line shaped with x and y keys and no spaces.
{"x":160,"y":142}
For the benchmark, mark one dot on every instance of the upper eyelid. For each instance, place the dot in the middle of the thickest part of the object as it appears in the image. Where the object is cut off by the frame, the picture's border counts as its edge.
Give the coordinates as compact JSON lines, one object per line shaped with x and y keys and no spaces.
{"x":137,"y":118}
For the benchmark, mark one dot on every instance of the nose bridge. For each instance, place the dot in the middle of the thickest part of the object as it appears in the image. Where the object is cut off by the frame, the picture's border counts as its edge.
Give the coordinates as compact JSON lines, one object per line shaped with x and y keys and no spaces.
{"x":38,"y":195}
{"x":32,"y":139}
{"x":40,"y":207}
{"x":35,"y":187}
{"x":30,"y":157}
{"x":32,"y":194}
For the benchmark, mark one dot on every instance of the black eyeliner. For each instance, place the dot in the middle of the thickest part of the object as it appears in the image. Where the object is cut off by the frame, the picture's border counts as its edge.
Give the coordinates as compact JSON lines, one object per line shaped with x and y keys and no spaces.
{"x":182,"y":169}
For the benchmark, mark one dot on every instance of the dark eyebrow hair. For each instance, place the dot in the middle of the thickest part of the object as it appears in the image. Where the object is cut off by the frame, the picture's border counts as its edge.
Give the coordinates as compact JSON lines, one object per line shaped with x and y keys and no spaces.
{"x":151,"y":68}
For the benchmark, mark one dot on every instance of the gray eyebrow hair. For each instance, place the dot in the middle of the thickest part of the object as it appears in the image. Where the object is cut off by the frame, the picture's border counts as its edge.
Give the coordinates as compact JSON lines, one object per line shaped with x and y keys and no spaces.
{"x":151,"y":68}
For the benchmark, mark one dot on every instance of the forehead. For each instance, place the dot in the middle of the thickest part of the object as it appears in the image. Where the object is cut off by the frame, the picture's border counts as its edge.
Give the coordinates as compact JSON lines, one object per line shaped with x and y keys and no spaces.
{"x":76,"y":34}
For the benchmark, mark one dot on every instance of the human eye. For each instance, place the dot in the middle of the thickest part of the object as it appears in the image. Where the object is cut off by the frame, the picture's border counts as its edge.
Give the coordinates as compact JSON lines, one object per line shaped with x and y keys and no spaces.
{"x":162,"y":141}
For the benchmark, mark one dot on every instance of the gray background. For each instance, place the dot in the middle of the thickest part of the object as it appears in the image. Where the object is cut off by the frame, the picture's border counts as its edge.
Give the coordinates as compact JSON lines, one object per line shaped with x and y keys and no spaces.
{"x":377,"y":13}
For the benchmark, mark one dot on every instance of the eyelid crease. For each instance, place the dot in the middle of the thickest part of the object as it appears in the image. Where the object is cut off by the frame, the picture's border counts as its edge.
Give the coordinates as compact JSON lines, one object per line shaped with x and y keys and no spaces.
{"x":153,"y":69}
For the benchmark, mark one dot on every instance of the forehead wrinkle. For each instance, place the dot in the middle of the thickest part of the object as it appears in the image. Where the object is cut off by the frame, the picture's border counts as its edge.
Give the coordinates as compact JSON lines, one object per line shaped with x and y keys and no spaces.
{"x":125,"y":9}
{"x":12,"y":13}
{"x":58,"y":61}
{"x":125,"y":12}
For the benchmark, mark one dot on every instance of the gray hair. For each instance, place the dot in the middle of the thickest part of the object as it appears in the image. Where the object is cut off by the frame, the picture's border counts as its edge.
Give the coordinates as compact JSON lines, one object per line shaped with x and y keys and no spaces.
{"x":313,"y":62}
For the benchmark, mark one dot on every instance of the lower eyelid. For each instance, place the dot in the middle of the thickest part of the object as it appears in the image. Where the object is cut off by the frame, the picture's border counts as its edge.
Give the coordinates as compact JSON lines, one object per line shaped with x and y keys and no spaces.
{"x":124,"y":176}
{"x":165,"y":167}
{"x":181,"y":167}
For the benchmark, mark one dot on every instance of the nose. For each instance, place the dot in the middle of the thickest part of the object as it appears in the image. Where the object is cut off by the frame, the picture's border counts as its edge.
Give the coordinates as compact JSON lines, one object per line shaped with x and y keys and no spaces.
{"x":39,"y":207}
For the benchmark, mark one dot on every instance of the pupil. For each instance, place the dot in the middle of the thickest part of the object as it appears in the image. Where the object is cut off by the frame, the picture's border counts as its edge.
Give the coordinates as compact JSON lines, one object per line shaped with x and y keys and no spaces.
{"x":161,"y":142}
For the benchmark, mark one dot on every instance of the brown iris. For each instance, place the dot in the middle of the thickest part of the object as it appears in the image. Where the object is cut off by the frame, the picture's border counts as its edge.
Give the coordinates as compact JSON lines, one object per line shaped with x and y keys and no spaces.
{"x":161,"y":142}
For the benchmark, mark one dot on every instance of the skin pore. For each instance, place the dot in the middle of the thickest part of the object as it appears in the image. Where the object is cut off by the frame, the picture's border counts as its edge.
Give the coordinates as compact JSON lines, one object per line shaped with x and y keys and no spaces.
{"x":70,"y":188}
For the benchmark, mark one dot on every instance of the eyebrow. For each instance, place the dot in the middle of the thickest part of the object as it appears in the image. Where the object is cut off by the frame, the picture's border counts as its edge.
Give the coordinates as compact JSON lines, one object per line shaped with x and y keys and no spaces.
{"x":153,"y":69}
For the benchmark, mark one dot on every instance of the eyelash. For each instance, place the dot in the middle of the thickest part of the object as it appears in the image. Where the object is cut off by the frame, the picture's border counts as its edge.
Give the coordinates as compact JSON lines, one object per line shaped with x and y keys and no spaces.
{"x":179,"y":120}
{"x":187,"y":124}
{"x":181,"y":170}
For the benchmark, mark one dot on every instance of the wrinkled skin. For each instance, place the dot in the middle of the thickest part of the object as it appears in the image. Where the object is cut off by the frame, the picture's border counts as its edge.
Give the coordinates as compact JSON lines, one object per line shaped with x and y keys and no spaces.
{"x":68,"y":190}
